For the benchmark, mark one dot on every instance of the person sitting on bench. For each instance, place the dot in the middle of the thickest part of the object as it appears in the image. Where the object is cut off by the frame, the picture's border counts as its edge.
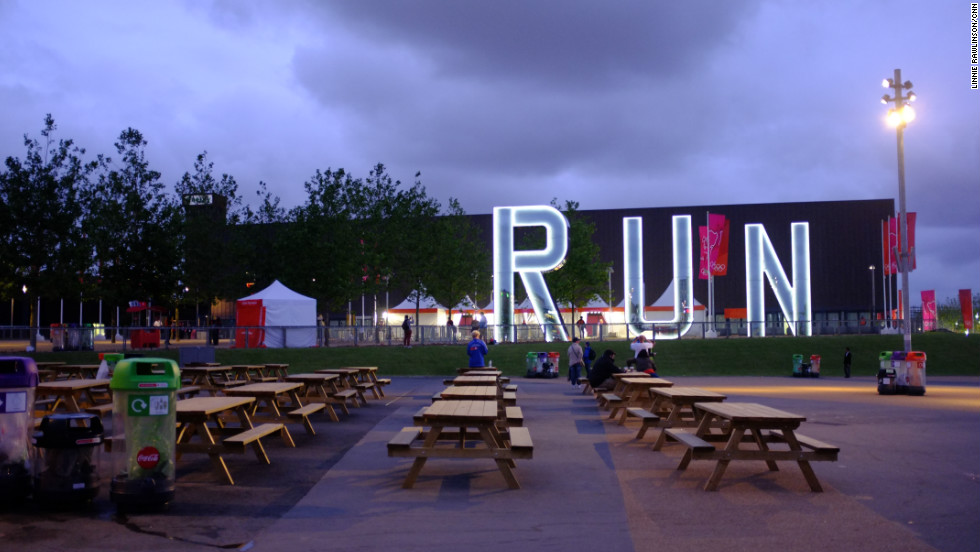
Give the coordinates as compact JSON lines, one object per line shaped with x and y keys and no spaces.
{"x":601,"y":378}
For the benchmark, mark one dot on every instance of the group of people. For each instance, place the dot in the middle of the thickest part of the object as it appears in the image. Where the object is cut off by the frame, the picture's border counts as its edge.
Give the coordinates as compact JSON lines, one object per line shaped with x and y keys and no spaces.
{"x":600,"y":376}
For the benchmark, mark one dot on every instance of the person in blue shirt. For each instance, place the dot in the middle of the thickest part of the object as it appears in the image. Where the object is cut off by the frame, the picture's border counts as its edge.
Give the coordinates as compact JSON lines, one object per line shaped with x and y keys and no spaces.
{"x":476,"y":349}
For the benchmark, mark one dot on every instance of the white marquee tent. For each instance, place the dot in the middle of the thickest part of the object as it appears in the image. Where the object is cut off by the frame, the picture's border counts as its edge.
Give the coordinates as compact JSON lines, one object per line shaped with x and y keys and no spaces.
{"x":286,"y":319}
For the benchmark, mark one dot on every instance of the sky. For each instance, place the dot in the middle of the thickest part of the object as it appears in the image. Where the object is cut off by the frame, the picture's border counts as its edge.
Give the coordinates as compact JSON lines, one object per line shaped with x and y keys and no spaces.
{"x":515,"y":102}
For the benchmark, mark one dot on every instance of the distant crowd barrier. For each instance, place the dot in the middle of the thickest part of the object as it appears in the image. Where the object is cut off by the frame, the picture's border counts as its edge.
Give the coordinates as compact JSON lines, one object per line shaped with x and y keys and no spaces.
{"x":72,"y":337}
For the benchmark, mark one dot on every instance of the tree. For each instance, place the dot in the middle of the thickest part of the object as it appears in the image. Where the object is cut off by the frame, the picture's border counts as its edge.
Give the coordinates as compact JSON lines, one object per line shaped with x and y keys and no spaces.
{"x":582,"y":276}
{"x":461,"y":259}
{"x":134,"y":226}
{"x":321,"y":242}
{"x":42,"y":244}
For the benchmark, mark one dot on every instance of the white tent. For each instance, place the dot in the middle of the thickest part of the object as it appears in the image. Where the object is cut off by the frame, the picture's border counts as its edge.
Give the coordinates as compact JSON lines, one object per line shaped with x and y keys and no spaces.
{"x":431,"y":313}
{"x":287,"y":319}
{"x":663,"y":307}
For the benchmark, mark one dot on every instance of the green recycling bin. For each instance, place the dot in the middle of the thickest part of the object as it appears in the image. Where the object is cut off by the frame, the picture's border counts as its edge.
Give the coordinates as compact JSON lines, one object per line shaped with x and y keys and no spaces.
{"x":144,"y":432}
{"x":797,"y":366}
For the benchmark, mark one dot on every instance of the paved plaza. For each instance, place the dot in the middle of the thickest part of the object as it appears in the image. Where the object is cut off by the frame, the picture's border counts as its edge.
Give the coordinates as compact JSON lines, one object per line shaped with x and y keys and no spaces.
{"x":907,"y":478}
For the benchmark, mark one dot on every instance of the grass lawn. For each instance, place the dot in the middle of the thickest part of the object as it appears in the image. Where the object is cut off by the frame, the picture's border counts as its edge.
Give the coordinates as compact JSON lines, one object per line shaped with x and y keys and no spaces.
{"x":948,"y":354}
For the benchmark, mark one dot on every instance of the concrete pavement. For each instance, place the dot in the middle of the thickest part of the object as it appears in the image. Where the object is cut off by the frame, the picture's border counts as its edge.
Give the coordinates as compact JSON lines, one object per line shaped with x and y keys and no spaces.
{"x":907,"y":479}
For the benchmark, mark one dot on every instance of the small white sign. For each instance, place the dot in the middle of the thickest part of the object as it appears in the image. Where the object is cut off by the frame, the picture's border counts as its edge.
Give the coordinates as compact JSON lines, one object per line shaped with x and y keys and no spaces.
{"x":159,"y":405}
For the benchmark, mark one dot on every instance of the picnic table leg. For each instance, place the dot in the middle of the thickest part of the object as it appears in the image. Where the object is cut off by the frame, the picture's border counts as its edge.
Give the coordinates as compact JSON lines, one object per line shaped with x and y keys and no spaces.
{"x":505,"y":465}
{"x":216,"y":459}
{"x":805,"y":467}
{"x":732,"y":446}
{"x":669,"y":422}
{"x":757,"y":436}
{"x":430,"y":441}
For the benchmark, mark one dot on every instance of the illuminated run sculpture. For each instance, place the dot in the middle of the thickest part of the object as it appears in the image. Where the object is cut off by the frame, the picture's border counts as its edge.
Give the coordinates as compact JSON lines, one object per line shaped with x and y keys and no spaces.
{"x":794,"y":298}
{"x":530,"y":264}
{"x":633,"y":280}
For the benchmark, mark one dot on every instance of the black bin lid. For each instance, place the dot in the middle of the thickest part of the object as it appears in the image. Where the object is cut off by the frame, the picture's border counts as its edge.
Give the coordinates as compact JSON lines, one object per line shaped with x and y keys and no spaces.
{"x":69,"y":431}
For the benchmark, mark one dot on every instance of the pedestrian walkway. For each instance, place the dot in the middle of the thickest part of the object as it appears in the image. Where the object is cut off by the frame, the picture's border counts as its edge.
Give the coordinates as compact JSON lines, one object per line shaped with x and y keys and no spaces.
{"x":592,"y":486}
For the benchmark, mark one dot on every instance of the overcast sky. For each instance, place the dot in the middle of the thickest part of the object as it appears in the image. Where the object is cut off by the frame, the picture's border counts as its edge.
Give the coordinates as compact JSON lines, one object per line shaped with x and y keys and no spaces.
{"x":515,"y":102}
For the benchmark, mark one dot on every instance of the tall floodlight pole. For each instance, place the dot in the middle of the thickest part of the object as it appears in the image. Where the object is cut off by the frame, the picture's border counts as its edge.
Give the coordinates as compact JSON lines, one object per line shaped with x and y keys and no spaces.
{"x":873,"y":305}
{"x":898,"y":117}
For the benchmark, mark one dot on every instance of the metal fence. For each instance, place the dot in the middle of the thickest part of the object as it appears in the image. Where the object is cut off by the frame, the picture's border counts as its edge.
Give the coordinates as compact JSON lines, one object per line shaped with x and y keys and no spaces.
{"x":85,"y":338}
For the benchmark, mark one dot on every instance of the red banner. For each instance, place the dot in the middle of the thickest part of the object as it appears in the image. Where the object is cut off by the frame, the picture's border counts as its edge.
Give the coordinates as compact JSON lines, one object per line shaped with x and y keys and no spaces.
{"x":966,"y":307}
{"x":929,"y":310}
{"x":886,"y":247}
{"x":893,"y":239}
{"x":714,"y":235}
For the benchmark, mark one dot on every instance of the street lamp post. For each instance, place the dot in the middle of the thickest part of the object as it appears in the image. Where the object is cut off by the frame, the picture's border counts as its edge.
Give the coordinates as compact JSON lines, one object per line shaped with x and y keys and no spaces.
{"x":609,"y":273}
{"x":873,"y":298}
{"x":899,"y":116}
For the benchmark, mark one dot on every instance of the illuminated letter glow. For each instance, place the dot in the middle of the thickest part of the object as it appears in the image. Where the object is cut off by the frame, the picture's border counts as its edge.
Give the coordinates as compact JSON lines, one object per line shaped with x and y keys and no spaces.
{"x":530,"y":265}
{"x":794,"y":298}
{"x":633,"y":279}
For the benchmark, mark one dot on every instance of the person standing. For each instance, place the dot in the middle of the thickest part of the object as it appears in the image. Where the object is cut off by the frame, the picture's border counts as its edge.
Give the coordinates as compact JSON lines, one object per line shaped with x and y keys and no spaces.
{"x":451,"y":327}
{"x":407,"y":330}
{"x":483,"y":324}
{"x":477,"y":350}
{"x":847,"y":362}
{"x":601,"y":378}
{"x":588,"y":355}
{"x":576,"y":360}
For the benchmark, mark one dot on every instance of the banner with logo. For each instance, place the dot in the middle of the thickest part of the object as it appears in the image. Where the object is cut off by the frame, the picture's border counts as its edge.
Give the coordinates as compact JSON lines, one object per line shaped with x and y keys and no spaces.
{"x":929,"y":310}
{"x":714,"y":237}
{"x":966,"y":307}
{"x":894,"y":232}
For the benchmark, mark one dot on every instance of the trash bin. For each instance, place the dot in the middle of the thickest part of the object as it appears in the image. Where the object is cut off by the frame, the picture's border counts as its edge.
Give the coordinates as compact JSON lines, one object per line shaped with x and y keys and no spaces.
{"x":18,"y":380}
{"x":57,"y":337}
{"x":915,"y":363}
{"x":814,"y":366}
{"x":797,"y":366}
{"x":66,"y":472}
{"x":107,"y":364}
{"x":554,"y":362}
{"x":901,"y":372}
{"x":886,"y":374}
{"x":144,"y":427}
{"x":531,"y":362}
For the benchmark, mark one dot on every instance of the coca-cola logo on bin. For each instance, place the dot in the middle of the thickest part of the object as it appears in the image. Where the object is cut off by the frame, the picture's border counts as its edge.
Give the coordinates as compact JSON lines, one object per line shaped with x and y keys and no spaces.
{"x":148,"y":457}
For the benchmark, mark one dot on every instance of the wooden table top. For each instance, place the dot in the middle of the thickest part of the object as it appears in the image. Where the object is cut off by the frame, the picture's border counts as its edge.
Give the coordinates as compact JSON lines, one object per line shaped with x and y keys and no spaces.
{"x":461,"y":411}
{"x":264,"y":388}
{"x":647,"y":381}
{"x":475,"y":380}
{"x":622,"y":375}
{"x":210,"y":405}
{"x":688,"y":393}
{"x":205,"y":369}
{"x":361,"y":368}
{"x":481,"y":372}
{"x":748,"y":412}
{"x":476,"y":392}
{"x":73,"y":384}
{"x":311,"y":376}
{"x":344,"y":371}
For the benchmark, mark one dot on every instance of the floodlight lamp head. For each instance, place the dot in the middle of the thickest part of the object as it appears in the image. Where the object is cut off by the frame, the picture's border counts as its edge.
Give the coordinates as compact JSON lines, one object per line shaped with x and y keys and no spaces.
{"x":885,"y":99}
{"x":907,"y":85}
{"x":912,"y":96}
{"x":886,"y":83}
{"x":894,"y":118}
{"x":908,"y":114}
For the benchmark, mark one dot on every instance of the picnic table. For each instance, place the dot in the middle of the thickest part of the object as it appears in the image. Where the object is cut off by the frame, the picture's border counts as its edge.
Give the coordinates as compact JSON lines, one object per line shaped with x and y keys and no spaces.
{"x":77,"y":371}
{"x":252,"y":373}
{"x":211,"y":419}
{"x":475,"y":380}
{"x":457,"y":416}
{"x":753,"y":423}
{"x":349,"y":381}
{"x":469,"y":392}
{"x":211,"y":378}
{"x":633,"y":393}
{"x":72,"y":394}
{"x":279,"y":371}
{"x":269,"y":396}
{"x":320,"y":388}
{"x":672,"y":407}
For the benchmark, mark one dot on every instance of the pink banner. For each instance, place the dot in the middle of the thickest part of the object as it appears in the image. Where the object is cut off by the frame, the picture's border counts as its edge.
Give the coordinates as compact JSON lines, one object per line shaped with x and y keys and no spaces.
{"x":714,"y":235}
{"x":929,"y":310}
{"x":966,"y":307}
{"x":893,"y":239}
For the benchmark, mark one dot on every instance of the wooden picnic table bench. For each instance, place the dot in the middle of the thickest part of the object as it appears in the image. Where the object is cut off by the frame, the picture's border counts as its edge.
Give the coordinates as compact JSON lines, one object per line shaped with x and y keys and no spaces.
{"x":750,"y":423}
